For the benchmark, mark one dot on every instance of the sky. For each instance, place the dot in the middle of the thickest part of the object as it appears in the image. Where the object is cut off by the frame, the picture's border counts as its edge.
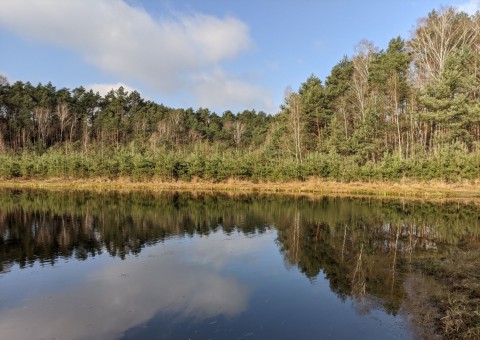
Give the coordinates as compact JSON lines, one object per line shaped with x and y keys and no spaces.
{"x":221,"y":55}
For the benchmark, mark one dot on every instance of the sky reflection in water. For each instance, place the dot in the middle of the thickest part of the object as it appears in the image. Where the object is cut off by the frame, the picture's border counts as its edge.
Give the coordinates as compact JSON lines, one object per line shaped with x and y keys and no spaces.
{"x":251,"y":268}
{"x":195,"y":284}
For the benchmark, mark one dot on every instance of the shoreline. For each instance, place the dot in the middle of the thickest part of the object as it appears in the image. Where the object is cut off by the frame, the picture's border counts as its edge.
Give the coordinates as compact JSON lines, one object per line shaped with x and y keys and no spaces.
{"x":406,"y":189}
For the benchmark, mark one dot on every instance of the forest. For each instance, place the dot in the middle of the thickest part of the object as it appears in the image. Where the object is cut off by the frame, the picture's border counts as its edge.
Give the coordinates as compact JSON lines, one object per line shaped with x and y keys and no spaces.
{"x":410,"y":111}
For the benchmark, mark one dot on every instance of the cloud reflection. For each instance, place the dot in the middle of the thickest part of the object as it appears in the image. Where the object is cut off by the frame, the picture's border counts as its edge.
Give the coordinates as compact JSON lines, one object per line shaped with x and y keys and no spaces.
{"x":176,"y":278}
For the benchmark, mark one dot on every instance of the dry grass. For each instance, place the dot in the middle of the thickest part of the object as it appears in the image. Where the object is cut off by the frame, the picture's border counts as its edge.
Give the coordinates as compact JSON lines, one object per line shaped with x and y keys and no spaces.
{"x":450,"y":299}
{"x":404,"y":189}
{"x":462,"y":305}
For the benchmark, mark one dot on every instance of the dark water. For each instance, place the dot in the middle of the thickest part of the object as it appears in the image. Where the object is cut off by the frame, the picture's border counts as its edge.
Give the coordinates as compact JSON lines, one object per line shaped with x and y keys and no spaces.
{"x":183,"y":266}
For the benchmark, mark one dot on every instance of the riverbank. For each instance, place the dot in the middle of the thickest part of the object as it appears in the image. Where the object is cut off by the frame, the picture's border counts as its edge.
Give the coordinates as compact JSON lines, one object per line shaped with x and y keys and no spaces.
{"x":404,"y":189}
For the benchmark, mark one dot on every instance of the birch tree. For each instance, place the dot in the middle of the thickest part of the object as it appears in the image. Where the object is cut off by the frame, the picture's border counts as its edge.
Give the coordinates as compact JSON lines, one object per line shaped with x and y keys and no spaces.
{"x":436,"y":37}
{"x":295,"y":124}
{"x":365,"y":53}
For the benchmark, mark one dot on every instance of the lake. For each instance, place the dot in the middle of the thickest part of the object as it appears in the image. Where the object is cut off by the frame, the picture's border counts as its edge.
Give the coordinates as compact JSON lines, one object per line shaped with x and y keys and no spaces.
{"x":202,"y":266}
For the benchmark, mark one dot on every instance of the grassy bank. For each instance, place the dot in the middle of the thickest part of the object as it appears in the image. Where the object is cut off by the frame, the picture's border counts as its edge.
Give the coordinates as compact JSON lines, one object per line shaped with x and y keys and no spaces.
{"x":445,"y":299}
{"x":430,"y":189}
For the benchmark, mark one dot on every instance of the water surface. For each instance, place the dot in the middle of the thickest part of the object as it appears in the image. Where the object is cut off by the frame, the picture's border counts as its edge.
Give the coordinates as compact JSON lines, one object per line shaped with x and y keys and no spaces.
{"x":184,"y":266}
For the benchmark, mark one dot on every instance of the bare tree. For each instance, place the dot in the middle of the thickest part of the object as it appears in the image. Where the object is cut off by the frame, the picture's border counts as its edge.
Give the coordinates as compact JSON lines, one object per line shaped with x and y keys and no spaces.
{"x":238,"y":130}
{"x":162,"y":134}
{"x":394,"y":94}
{"x":140,"y":126}
{"x":64,"y":118}
{"x":436,"y":37}
{"x":177,"y":127}
{"x":42,"y":118}
{"x":365,"y":53}
{"x":170,"y":130}
{"x":295,"y":124}
{"x":85,"y":134}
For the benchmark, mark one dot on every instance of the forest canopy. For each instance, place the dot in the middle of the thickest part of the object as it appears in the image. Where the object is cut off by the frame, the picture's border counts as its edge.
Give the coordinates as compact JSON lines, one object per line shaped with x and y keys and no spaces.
{"x":411,"y":110}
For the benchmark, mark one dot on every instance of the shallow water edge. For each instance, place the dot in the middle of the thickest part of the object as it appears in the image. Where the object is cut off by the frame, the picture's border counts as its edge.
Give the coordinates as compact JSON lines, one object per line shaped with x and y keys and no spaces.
{"x":431,"y":190}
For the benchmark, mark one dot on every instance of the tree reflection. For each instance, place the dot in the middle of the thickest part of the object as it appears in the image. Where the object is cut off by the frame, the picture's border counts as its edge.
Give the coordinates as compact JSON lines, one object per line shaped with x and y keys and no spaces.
{"x":362,"y":246}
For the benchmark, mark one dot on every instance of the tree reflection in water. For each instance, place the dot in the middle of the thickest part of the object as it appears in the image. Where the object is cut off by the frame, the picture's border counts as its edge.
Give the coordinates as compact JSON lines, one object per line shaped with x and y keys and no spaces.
{"x":364,"y":247}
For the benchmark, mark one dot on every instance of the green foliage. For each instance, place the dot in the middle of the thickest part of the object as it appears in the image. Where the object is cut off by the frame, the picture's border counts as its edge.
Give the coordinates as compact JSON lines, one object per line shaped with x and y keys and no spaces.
{"x":451,"y":164}
{"x":380,"y":115}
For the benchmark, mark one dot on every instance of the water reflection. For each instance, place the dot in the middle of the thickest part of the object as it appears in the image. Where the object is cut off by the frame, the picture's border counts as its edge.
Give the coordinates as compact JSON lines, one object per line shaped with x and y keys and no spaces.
{"x":363,"y":249}
{"x":123,"y":294}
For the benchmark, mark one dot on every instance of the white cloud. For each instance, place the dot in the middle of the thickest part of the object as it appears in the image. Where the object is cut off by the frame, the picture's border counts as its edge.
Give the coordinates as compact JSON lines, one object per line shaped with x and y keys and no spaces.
{"x":103,"y":89}
{"x":470,"y":7}
{"x":166,"y":54}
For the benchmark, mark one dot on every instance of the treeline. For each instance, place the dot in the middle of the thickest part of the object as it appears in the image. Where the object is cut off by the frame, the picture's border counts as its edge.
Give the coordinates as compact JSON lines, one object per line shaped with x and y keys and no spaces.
{"x":411,"y":110}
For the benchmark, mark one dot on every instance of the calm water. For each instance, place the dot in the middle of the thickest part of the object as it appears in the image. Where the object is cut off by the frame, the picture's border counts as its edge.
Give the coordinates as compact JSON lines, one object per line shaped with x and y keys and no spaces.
{"x":183,"y":266}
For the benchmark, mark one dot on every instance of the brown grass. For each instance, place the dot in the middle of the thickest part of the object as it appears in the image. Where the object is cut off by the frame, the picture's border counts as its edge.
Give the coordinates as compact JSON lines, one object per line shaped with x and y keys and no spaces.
{"x":454,"y":304}
{"x":404,"y":189}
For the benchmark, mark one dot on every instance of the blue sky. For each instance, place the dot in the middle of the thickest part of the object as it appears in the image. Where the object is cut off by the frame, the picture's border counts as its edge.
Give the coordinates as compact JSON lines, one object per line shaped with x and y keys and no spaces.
{"x":224,"y":55}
